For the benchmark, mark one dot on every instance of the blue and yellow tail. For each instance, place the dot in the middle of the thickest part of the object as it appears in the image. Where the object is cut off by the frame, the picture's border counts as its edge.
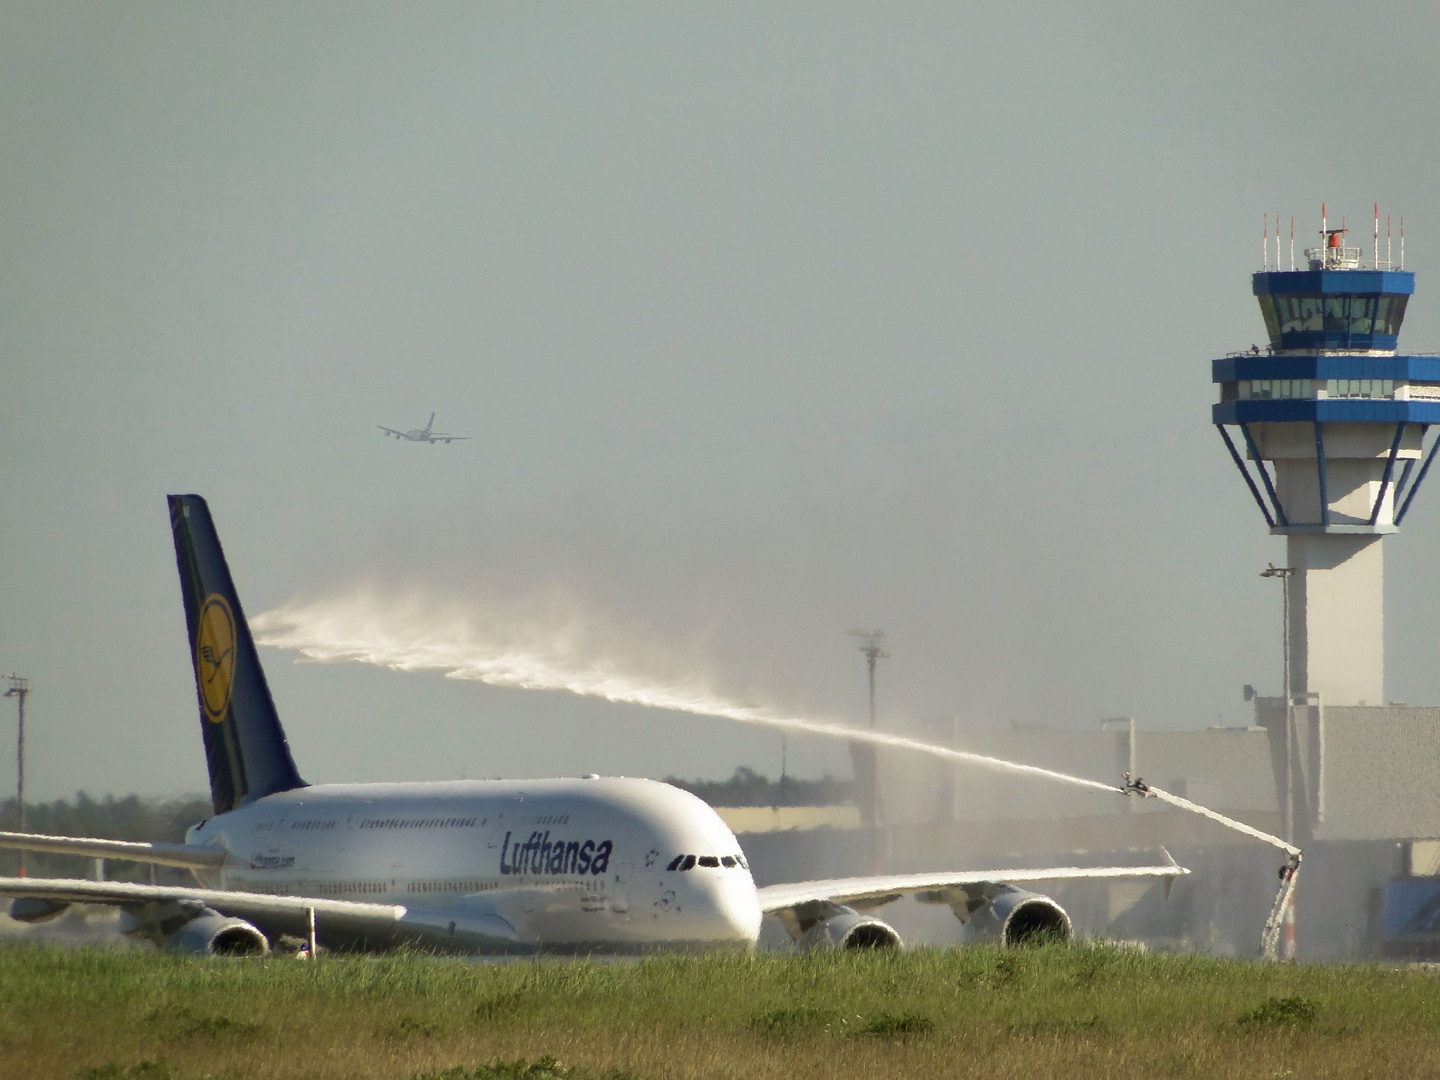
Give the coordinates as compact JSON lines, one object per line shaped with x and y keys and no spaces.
{"x":245,"y":746}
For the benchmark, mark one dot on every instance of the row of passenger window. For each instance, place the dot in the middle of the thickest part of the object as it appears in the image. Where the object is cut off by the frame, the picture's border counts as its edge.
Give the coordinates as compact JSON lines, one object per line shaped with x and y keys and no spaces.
{"x":419,"y":823}
{"x":1272,"y":389}
{"x":1333,"y":314}
{"x":340,"y":888}
{"x":689,"y":862}
{"x":453,"y":886}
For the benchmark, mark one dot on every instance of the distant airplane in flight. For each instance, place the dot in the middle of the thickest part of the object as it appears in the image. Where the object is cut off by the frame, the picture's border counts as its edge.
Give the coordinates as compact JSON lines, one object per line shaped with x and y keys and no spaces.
{"x":427,"y":436}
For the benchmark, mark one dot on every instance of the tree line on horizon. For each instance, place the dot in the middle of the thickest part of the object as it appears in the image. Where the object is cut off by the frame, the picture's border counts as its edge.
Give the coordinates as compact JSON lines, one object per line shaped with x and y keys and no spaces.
{"x":746,"y":787}
{"x":127,"y":817}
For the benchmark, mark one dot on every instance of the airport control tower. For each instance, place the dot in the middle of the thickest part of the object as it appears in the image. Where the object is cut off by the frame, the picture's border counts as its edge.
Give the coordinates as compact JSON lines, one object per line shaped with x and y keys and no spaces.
{"x":1331,"y":418}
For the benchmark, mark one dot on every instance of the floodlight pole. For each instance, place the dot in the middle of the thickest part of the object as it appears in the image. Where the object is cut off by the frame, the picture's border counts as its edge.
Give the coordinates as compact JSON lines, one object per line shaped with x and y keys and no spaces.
{"x":1284,"y":573}
{"x":872,"y":647}
{"x":18,"y":689}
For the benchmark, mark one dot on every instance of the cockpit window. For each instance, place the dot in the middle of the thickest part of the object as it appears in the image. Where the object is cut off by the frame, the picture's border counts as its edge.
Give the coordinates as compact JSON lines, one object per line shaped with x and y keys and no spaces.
{"x":689,"y":862}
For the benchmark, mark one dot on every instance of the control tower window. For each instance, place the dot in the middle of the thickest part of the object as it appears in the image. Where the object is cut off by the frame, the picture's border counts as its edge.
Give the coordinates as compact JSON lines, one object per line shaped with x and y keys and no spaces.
{"x":1337,"y":314}
{"x":1360,"y":388}
{"x":1362,"y":314}
{"x":1272,"y":322}
{"x":1271,"y":389}
{"x":1356,"y":314}
{"x":1296,"y":313}
{"x":1333,"y":315}
{"x":1390,"y":314}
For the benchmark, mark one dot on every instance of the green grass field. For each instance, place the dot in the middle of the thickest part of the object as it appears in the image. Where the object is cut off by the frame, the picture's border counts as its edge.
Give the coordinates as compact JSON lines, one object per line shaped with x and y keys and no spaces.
{"x":1073,"y":1011}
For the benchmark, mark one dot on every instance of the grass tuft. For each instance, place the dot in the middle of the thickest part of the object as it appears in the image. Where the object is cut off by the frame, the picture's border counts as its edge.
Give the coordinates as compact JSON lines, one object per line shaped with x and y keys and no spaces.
{"x":792,"y":1023}
{"x":410,"y":1026}
{"x":544,"y":1068}
{"x":144,"y":1070}
{"x":1294,"y":1011}
{"x":177,"y":1025}
{"x":1088,"y":1025}
{"x":498,"y":1006}
{"x":897,"y":1025}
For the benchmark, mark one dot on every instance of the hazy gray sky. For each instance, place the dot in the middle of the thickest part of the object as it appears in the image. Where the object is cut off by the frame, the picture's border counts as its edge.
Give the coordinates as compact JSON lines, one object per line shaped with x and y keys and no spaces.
{"x":768,"y":321}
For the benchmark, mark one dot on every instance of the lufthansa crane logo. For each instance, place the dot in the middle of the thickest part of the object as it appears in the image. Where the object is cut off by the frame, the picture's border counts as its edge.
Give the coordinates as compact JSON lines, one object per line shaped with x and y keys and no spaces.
{"x":215,"y":656}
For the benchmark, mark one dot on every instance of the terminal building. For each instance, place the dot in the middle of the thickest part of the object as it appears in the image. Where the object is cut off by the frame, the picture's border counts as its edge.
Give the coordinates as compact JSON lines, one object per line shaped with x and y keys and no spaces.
{"x":1369,"y":824}
{"x":1329,"y":427}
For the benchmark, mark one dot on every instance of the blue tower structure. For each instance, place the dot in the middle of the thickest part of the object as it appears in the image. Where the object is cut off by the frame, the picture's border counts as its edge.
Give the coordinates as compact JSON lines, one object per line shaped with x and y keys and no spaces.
{"x":1333,"y":419}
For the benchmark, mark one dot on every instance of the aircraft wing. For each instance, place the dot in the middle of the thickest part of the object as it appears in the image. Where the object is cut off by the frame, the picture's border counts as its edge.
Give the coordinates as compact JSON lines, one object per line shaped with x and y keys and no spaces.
{"x":391,"y":431}
{"x":944,"y":887}
{"x":186,"y":855}
{"x":442,"y":437}
{"x":478,"y":925}
{"x":242,"y":905}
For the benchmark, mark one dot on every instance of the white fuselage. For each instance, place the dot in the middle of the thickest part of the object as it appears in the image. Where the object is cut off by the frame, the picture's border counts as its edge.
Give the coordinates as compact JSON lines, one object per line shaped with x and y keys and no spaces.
{"x":594,"y":864}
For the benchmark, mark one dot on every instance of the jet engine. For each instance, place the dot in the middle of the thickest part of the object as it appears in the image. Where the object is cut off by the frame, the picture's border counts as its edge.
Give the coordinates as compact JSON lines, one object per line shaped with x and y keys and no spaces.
{"x":1016,"y":917}
{"x":213,"y":934}
{"x":32,"y":909}
{"x":820,"y":924}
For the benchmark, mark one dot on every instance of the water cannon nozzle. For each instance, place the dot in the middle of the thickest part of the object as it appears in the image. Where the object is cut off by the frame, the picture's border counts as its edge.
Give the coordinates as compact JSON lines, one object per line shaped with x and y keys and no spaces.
{"x":1136,"y":786}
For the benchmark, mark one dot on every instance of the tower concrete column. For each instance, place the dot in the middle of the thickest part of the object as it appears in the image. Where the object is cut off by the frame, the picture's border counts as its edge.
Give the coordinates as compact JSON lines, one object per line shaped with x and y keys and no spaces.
{"x":1337,"y":618}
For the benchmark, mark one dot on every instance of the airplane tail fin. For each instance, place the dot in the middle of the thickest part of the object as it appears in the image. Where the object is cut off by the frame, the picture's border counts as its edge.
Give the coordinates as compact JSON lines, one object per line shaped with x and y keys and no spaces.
{"x":430,"y":423}
{"x":245,"y":746}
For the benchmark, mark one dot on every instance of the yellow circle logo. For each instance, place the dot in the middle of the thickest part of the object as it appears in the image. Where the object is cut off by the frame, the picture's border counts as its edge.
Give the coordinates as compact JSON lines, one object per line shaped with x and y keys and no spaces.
{"x":215,"y":656}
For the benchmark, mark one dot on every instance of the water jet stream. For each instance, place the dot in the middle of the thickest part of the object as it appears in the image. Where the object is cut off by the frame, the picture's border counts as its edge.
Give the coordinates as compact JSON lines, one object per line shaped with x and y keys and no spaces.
{"x":362,"y":629}
{"x":329,"y":633}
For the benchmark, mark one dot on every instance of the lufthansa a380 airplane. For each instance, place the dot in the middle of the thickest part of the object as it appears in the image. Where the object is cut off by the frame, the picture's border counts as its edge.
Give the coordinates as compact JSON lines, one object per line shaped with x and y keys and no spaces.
{"x":611,"y":865}
{"x":425,"y":435}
